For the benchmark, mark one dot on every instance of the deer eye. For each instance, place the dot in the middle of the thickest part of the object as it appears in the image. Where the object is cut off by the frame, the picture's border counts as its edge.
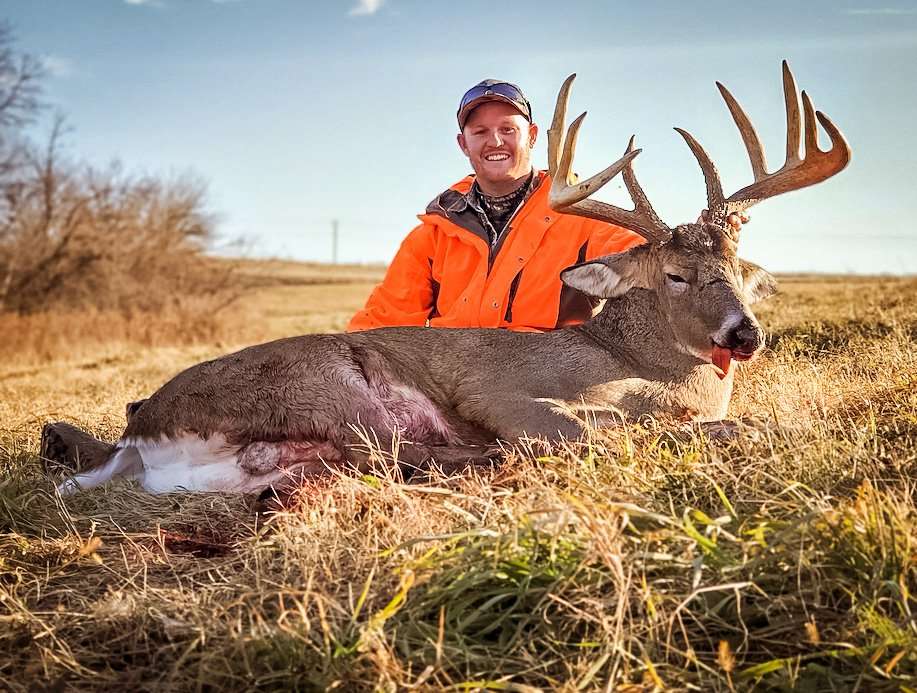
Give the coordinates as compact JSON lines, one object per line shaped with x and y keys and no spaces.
{"x":676,"y":278}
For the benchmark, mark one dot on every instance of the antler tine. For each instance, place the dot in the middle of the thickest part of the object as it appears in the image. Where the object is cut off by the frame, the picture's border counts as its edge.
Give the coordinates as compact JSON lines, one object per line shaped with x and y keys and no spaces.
{"x":641,"y":201}
{"x":568,"y":194}
{"x":556,"y":132}
{"x":567,"y":188}
{"x":750,"y":136}
{"x":816,"y":166}
{"x":792,"y":119}
{"x":715,"y":197}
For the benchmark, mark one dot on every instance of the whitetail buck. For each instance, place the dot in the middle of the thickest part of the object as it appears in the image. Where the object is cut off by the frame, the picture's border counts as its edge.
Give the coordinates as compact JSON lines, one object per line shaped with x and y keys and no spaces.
{"x":677,"y":313}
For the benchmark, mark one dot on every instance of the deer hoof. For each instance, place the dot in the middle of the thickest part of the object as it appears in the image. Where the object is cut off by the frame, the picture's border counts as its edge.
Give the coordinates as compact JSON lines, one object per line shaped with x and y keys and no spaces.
{"x":54,"y":450}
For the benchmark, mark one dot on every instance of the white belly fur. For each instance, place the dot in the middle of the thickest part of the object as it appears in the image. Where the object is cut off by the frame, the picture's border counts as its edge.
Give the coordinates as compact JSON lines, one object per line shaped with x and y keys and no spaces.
{"x":191,"y":463}
{"x":184,"y":463}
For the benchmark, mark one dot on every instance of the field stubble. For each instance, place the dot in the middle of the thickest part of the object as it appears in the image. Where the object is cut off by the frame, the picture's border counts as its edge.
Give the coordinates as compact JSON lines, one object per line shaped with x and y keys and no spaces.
{"x":639,"y":560}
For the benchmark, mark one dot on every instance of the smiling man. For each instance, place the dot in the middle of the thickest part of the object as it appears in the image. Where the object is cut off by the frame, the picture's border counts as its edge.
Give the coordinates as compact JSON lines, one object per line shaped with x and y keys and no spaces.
{"x":489,"y":250}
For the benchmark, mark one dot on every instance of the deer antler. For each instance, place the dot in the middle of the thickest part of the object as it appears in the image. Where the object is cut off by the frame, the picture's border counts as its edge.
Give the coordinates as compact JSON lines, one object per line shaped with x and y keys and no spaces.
{"x":796,"y":172}
{"x":568,"y":193}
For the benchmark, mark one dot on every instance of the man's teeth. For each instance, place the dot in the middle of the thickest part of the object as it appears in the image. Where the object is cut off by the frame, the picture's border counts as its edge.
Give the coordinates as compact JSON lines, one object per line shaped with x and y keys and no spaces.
{"x":496,"y":157}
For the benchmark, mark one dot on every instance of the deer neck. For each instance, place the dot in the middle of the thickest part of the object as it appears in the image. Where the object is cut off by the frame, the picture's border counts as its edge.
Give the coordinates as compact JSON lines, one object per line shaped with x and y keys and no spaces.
{"x":634,"y":329}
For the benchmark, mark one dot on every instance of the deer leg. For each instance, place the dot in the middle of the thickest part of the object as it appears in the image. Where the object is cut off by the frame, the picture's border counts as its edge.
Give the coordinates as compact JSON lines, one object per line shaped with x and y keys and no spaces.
{"x":526,"y":417}
{"x":727,"y":429}
{"x":426,"y":464}
{"x":68,"y":446}
{"x":720,"y":430}
{"x":276,"y":497}
{"x":305,"y":462}
{"x":724,"y":430}
{"x":450,"y":460}
{"x":381,"y":449}
{"x":306,"y":457}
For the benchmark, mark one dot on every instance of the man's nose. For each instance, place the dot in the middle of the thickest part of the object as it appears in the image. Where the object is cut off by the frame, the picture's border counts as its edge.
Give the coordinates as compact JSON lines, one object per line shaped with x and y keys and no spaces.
{"x":496,"y":139}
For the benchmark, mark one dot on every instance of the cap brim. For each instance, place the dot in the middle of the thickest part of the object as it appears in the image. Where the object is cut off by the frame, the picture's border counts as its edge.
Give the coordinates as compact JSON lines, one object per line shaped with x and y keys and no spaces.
{"x":471,"y":105}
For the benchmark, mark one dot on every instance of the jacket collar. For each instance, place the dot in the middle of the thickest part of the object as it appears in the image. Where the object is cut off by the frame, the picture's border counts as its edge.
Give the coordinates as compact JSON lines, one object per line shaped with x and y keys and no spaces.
{"x":458,"y":206}
{"x":462,"y":202}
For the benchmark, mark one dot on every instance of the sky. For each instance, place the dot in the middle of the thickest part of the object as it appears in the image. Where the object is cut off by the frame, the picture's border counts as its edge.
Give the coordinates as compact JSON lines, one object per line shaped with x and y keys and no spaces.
{"x":297,"y":113}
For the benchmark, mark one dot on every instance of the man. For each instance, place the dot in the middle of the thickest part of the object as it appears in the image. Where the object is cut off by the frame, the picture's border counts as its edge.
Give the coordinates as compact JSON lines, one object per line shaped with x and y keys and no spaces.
{"x":489,"y":250}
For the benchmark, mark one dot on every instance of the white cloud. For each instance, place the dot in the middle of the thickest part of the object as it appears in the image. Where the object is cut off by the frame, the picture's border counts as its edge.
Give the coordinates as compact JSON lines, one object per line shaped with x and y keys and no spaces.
{"x":148,"y":3}
{"x":365,"y":7}
{"x":886,"y":11}
{"x":57,"y":66}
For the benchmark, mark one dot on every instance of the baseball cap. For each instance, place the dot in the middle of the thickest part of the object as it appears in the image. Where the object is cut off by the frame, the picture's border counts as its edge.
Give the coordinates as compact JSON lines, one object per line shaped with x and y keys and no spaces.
{"x":493,"y":90}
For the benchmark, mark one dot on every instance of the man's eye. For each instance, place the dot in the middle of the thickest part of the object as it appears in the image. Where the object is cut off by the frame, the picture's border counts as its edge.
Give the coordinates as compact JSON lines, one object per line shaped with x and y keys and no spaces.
{"x":676,"y":278}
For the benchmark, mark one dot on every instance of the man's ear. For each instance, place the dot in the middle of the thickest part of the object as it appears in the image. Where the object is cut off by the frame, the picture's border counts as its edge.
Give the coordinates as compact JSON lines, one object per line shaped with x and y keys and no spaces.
{"x":604,"y":277}
{"x":757,"y":283}
{"x":460,"y":138}
{"x":533,"y":134}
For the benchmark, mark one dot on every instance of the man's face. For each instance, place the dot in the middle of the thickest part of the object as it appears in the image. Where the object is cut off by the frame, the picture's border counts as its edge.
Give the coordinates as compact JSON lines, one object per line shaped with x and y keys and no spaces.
{"x":498,"y":141}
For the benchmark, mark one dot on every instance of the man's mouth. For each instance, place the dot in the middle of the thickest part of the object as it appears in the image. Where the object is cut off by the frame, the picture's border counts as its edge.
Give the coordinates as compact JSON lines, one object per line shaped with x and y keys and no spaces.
{"x":496,"y":156}
{"x":722,"y":357}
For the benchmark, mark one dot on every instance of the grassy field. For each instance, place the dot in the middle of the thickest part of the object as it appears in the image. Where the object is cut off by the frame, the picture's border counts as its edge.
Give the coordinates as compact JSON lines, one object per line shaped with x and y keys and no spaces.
{"x":643,"y":559}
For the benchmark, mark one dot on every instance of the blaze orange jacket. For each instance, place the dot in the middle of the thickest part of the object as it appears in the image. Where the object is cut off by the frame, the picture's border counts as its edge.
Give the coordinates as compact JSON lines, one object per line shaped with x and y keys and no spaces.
{"x":446,"y":275}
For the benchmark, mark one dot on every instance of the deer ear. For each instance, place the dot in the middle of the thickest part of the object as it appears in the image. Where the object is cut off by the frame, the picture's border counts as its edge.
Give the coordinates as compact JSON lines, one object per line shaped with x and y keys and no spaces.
{"x":758,"y":283}
{"x":605,"y":277}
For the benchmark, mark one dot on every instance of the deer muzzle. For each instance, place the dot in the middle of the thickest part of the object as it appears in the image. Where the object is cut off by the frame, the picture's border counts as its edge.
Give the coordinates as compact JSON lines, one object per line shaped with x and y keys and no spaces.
{"x":744,"y":339}
{"x":740,"y":341}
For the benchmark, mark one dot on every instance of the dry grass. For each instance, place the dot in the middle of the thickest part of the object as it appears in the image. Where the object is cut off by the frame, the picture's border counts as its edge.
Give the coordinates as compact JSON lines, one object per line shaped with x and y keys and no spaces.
{"x":640,"y":560}
{"x":270,"y":299}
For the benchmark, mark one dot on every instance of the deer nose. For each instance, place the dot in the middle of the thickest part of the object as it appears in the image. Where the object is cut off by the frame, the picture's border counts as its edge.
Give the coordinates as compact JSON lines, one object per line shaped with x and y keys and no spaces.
{"x":746,"y":337}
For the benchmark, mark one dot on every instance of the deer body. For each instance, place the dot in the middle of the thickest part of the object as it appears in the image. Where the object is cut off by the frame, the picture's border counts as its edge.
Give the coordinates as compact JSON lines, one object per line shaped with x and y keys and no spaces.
{"x":243,"y":421}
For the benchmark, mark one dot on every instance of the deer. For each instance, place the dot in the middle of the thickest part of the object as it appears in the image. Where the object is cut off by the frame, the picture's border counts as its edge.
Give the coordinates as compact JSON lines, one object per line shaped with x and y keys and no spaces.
{"x":676,"y":313}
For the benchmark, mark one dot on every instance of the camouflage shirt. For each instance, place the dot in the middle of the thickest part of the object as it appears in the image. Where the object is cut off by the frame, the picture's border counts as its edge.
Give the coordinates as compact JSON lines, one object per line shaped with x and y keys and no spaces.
{"x":495,"y":212}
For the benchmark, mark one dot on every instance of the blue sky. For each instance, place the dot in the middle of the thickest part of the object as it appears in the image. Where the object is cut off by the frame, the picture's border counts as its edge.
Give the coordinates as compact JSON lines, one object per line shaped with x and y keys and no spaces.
{"x":297,"y":113}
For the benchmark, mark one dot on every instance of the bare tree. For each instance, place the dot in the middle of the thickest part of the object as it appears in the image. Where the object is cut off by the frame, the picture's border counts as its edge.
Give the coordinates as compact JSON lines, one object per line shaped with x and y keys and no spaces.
{"x":20,"y":103}
{"x":20,"y":88}
{"x":81,"y":237}
{"x":73,"y":236}
{"x":44,"y":213}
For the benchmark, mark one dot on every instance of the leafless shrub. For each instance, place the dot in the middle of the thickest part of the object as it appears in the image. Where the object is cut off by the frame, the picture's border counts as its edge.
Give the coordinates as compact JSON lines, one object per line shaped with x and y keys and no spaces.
{"x":78,"y":242}
{"x":81,"y":238}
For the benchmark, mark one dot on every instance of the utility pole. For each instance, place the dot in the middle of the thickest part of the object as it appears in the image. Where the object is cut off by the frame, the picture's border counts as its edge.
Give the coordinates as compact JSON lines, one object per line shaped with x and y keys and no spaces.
{"x":334,"y":241}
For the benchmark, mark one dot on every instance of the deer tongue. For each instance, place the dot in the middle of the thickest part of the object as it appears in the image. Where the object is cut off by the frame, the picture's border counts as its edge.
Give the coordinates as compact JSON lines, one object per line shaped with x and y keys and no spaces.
{"x":722,"y":358}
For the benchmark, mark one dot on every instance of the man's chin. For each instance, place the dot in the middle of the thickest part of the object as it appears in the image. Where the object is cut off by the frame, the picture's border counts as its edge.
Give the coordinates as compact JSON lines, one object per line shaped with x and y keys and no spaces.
{"x":499,"y":176}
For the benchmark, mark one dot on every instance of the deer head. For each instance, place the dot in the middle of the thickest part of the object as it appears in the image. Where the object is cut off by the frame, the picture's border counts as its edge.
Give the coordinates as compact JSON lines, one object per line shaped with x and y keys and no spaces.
{"x":702,"y":286}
